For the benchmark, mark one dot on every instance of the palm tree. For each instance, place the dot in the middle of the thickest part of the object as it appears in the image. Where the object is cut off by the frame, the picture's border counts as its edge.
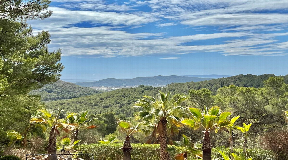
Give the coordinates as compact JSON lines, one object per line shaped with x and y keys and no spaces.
{"x":128,"y":128}
{"x":161,"y":111}
{"x":47,"y":120}
{"x":73,"y":122}
{"x":209,"y":120}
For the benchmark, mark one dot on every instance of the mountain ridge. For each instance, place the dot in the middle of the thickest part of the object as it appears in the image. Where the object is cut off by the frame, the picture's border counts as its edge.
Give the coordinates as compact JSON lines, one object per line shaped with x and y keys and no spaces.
{"x":156,"y":81}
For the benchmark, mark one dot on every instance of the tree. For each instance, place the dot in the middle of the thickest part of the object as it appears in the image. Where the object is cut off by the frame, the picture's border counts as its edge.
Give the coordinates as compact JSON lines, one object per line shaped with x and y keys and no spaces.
{"x":25,"y":63}
{"x":22,"y":10}
{"x":209,"y":120}
{"x":128,"y":129}
{"x":160,"y":112}
{"x":201,"y":98}
{"x":50,"y":121}
{"x":76,"y":121}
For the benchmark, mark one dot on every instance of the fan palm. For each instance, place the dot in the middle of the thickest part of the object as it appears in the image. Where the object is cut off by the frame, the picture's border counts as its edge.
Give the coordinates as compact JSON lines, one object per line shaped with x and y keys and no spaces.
{"x":161,"y":111}
{"x":209,"y":120}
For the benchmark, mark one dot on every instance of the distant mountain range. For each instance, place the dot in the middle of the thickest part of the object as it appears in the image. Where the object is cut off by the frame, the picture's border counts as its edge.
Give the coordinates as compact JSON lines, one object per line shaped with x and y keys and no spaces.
{"x":155,"y":81}
{"x":213,"y":76}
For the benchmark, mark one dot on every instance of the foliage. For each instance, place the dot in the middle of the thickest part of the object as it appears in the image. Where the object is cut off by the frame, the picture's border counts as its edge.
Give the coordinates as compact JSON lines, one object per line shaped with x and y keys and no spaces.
{"x":106,"y":123}
{"x":147,"y":81}
{"x":208,"y":120}
{"x":120,"y":102}
{"x":254,"y":154}
{"x":17,"y":9}
{"x":127,"y":127}
{"x":213,"y":85}
{"x":161,"y":115}
{"x":113,"y":151}
{"x":201,"y":98}
{"x":25,"y":62}
{"x":62,"y":90}
{"x":10,"y":158}
{"x":276,"y":141}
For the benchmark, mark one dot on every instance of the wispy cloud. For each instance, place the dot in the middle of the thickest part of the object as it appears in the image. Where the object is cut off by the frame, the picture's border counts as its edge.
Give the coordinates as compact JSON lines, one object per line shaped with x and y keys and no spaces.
{"x":64,"y":18}
{"x":169,"y":58}
{"x":238,"y":24}
{"x":166,"y":24}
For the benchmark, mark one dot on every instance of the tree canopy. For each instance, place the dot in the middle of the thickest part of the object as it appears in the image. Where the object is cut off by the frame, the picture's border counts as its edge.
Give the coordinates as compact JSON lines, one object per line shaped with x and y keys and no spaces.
{"x":25,"y":62}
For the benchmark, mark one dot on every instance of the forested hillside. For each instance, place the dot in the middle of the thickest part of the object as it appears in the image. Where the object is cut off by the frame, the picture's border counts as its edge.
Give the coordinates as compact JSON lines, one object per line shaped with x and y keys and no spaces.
{"x":121,"y":101}
{"x":241,"y":80}
{"x":118,"y":101}
{"x":62,"y":90}
{"x":155,"y":81}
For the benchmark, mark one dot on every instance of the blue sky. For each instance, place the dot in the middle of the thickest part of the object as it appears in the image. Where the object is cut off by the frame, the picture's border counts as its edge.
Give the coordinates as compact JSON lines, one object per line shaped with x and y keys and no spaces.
{"x":130,"y":38}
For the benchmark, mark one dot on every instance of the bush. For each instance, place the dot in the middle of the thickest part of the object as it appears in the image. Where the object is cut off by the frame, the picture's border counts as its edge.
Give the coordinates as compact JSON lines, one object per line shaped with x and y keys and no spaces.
{"x":276,"y":141}
{"x":113,"y":151}
{"x":254,"y":153}
{"x":10,"y":158}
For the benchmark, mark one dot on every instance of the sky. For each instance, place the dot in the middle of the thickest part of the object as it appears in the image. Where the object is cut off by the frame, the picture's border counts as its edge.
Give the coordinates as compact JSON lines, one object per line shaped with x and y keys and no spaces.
{"x":131,"y":38}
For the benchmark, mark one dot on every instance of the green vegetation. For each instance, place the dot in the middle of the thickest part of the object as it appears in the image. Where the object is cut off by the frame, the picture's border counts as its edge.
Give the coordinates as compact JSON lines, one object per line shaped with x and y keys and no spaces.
{"x":259,"y":105}
{"x":113,"y":151}
{"x":214,"y":84}
{"x":62,"y":90}
{"x":10,"y":158}
{"x":120,"y":101}
{"x":245,"y":117}
{"x":147,"y":81}
{"x":25,"y":64}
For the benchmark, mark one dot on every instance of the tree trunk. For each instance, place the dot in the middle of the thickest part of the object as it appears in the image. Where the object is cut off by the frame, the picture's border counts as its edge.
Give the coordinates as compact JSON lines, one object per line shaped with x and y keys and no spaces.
{"x":164,"y":155}
{"x":51,"y":149}
{"x":75,"y":135}
{"x":126,"y":149}
{"x":206,"y":148}
{"x":231,"y":141}
{"x":245,"y":145}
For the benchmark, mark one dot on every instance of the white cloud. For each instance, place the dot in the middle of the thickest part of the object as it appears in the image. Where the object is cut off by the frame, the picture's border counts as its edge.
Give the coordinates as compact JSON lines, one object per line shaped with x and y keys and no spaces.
{"x":166,"y":24}
{"x":245,"y":38}
{"x":236,"y":19}
{"x":169,"y":58}
{"x":96,"y":5}
{"x":62,"y":18}
{"x":103,"y":41}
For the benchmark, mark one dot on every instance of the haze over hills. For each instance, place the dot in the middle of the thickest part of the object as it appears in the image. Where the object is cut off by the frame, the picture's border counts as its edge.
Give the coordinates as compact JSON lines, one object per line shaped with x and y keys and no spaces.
{"x":156,"y":81}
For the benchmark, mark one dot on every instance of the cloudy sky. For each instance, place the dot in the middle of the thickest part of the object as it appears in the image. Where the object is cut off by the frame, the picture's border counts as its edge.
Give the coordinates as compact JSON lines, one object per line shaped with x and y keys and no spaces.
{"x":130,"y":38}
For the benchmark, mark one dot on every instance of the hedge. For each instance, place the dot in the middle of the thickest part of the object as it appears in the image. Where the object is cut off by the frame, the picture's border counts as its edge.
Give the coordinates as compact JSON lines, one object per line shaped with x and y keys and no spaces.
{"x":113,"y":151}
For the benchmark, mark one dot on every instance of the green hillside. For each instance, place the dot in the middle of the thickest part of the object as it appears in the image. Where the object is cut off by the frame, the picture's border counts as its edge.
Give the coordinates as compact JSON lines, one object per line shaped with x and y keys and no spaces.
{"x":241,"y":80}
{"x":62,"y":90}
{"x":121,"y":101}
{"x":155,"y":81}
{"x":118,"y":101}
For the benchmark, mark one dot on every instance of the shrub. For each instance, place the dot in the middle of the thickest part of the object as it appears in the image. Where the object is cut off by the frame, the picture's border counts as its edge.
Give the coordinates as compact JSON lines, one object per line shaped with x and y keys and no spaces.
{"x":276,"y":141}
{"x":254,"y":153}
{"x":10,"y":158}
{"x":113,"y":151}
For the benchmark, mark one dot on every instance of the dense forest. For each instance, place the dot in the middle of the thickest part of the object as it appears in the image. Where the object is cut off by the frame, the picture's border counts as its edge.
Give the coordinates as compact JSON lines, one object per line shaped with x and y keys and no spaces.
{"x":62,"y":90}
{"x":121,"y":101}
{"x":147,"y":81}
